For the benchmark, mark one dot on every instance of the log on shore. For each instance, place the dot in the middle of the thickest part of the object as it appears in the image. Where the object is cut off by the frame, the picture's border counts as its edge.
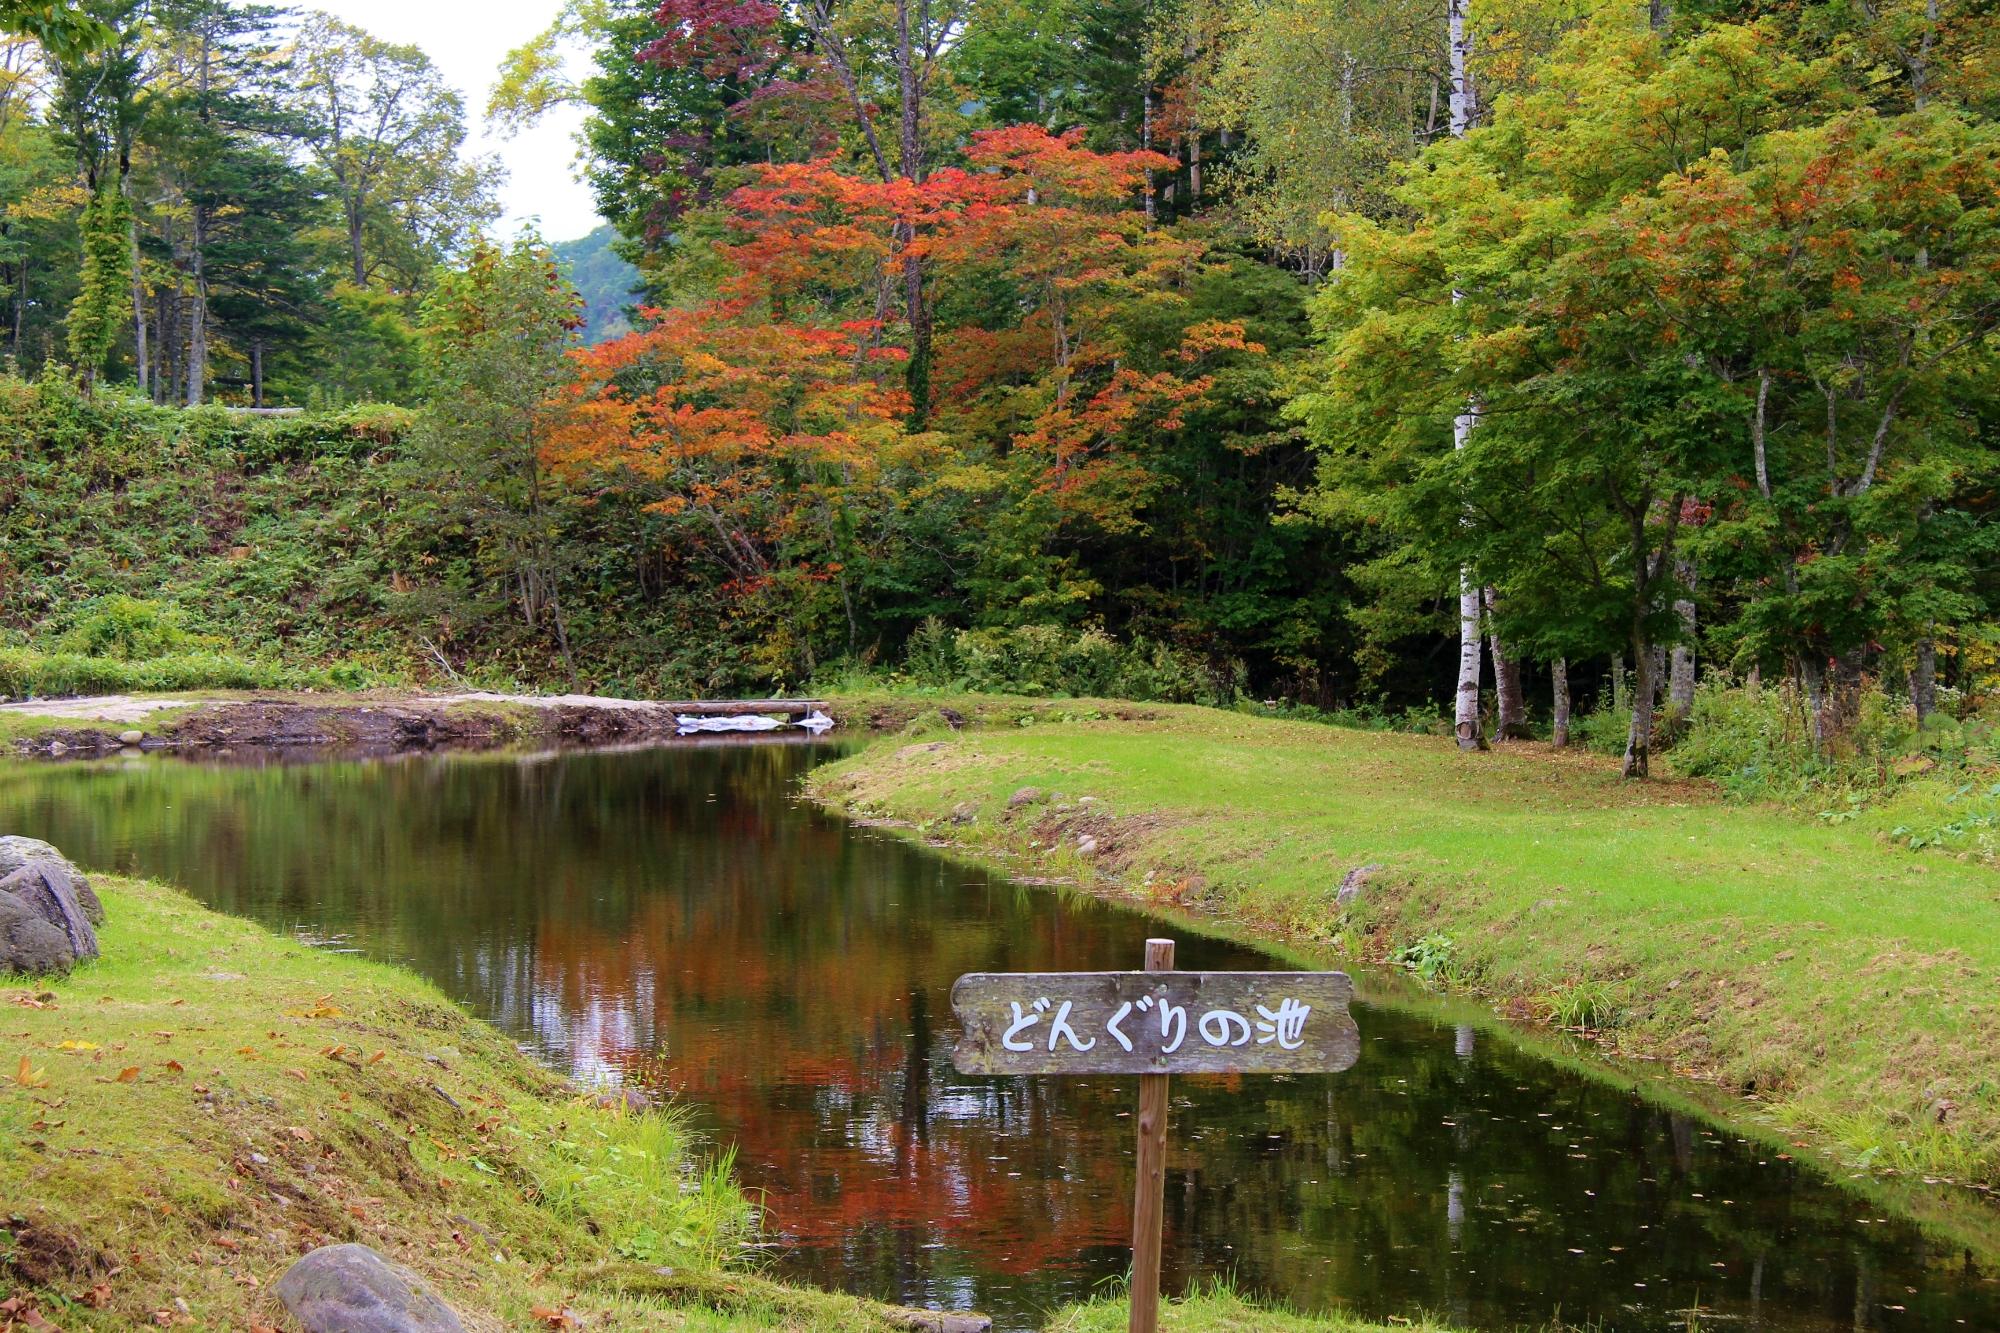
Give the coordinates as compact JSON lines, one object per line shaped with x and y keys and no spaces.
{"x":743,"y":707}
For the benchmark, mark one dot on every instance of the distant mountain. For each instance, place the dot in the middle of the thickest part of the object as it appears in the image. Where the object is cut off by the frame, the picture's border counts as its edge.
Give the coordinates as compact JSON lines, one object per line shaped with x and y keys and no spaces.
{"x":606,"y":282}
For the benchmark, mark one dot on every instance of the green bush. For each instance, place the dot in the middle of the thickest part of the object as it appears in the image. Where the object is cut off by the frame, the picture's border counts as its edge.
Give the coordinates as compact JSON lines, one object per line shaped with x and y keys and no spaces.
{"x":128,"y":628}
{"x":1050,"y":660}
{"x":26,"y":673}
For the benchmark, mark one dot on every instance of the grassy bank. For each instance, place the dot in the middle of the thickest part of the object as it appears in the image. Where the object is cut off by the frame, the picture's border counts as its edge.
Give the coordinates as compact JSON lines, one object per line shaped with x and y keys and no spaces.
{"x":182,"y":1119}
{"x":1847,"y":983}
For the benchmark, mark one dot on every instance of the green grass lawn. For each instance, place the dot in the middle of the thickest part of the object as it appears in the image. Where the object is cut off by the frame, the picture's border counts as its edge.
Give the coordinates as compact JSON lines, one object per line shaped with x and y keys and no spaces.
{"x":1853,"y":986}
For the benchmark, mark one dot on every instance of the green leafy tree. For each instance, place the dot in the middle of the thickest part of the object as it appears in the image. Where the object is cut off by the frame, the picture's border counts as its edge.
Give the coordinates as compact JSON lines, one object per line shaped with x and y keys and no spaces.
{"x":98,"y":313}
{"x":496,"y":334}
{"x":64,"y":30}
{"x":389,"y":133}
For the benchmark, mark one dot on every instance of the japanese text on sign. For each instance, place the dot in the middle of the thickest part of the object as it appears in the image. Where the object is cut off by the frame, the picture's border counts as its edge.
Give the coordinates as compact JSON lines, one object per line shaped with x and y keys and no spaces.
{"x":1154,"y":1022}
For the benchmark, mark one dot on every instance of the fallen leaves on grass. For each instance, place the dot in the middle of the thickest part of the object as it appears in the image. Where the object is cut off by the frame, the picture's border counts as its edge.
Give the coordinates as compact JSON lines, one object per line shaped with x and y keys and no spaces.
{"x":27,"y":1077}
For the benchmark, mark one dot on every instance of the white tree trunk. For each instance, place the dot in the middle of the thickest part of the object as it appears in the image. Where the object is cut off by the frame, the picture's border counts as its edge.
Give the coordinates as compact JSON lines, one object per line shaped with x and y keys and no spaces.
{"x":1923,"y":680}
{"x":1559,"y":670}
{"x":1466,"y":718}
{"x":1680,"y":684}
{"x":139,"y":350}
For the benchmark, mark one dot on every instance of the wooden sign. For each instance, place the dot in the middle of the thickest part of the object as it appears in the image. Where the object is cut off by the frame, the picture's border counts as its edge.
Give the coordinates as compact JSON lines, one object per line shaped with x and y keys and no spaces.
{"x":1153,"y":1023}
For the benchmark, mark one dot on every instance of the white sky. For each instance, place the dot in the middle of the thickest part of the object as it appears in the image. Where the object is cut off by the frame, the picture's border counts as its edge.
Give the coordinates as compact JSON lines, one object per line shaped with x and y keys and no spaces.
{"x":465,"y":39}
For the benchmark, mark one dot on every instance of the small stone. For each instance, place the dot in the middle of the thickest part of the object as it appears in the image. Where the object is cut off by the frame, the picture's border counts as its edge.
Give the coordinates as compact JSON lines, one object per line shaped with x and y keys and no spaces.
{"x":58,"y":748}
{"x":1354,"y":882}
{"x":352,"y":1289}
{"x":635,"y":1101}
{"x":132,"y":737}
{"x":1086,"y":844}
{"x":1025,"y":796}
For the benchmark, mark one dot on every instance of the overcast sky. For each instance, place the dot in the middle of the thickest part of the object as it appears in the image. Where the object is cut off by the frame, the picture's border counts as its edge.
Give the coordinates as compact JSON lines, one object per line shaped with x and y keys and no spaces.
{"x":466,"y":38}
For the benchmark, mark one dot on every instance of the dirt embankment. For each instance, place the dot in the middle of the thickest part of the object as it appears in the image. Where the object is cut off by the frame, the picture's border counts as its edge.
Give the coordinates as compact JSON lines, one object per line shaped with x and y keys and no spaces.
{"x":365,"y":724}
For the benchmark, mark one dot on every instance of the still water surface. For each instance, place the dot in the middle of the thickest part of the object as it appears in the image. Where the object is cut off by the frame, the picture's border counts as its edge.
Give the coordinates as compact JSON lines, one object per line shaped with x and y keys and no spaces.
{"x":674,"y":914}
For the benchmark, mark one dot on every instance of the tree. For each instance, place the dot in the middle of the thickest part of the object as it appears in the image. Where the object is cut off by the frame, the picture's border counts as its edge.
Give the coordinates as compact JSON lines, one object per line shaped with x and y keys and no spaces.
{"x":65,"y":30}
{"x":496,"y":335}
{"x":98,"y":313}
{"x":389,"y":132}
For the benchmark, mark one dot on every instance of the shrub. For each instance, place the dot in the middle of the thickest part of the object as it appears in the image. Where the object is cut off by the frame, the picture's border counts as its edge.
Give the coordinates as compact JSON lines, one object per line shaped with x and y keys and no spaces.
{"x":1052,"y":660}
{"x":26,"y":673}
{"x":128,"y":628}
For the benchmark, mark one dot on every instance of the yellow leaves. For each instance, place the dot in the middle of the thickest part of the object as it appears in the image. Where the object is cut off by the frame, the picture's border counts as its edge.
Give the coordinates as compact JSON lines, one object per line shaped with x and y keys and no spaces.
{"x":28,"y":1077}
{"x":73,"y":1045}
{"x":323,"y":1007}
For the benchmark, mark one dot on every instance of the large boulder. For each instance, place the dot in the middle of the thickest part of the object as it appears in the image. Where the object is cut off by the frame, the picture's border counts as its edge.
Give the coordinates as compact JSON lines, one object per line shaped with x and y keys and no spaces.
{"x":47,"y":909}
{"x":16,"y":852}
{"x":352,"y":1289}
{"x":30,"y":944}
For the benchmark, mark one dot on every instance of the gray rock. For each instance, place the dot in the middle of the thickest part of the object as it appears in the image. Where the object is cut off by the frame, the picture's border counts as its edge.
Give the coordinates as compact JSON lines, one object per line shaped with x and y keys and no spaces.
{"x":16,"y":852}
{"x":45,"y":918}
{"x":1086,"y":844}
{"x":1354,"y":882}
{"x":352,"y":1289}
{"x":1025,"y":796}
{"x":132,"y":737}
{"x":30,"y":944}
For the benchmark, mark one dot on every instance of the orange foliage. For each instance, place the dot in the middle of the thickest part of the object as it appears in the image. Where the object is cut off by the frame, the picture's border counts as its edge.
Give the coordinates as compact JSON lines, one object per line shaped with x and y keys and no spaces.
{"x":763,"y":415}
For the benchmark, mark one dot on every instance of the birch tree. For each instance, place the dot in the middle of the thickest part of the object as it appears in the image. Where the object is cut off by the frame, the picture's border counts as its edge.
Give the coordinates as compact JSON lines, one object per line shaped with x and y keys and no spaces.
{"x":1465,"y":712}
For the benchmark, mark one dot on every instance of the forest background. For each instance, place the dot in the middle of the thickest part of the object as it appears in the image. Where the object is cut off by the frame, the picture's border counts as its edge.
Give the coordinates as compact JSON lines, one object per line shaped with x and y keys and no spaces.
{"x":1624,"y":372}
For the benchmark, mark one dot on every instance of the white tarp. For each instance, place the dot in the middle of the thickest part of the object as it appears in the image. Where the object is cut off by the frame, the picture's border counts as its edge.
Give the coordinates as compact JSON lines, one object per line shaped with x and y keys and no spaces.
{"x":687,"y":724}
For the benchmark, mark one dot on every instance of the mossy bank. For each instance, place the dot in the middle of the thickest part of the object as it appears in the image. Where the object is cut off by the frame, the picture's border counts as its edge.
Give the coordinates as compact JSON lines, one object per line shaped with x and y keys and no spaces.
{"x":1846,"y":984}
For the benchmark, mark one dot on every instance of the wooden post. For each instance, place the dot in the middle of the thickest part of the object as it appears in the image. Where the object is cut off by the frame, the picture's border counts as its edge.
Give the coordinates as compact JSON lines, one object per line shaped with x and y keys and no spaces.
{"x":1150,"y":1203}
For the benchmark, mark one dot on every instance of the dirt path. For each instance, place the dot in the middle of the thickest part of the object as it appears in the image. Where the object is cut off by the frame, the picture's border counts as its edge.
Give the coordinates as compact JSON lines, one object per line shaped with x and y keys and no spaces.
{"x":100,"y":708}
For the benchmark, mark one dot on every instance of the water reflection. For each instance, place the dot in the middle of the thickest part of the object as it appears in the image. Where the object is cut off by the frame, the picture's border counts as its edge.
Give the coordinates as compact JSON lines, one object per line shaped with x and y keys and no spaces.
{"x":673,"y":915}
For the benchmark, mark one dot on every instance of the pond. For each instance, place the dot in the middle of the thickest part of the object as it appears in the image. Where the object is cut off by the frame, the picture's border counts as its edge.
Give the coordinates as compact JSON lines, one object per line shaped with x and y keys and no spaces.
{"x":676,"y":915}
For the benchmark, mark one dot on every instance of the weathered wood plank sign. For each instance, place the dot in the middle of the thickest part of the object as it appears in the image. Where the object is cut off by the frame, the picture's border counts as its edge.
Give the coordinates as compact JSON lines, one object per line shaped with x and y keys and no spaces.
{"x":1154,"y":1023}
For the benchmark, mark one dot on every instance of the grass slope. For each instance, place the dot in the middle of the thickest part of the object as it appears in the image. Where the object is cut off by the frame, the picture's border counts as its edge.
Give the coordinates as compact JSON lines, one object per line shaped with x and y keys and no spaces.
{"x":182,"y":1119}
{"x":1850,"y":984}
